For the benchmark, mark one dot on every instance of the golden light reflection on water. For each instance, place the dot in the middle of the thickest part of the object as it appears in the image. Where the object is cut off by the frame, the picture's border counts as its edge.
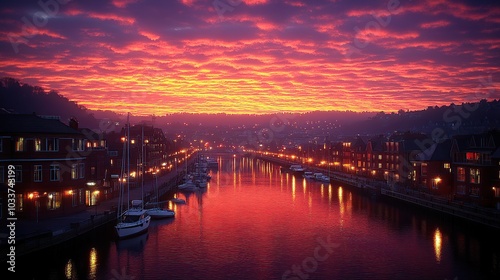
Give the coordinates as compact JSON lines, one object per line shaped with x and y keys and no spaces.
{"x":438,"y":242}
{"x":293,"y":188}
{"x":69,"y":269}
{"x":341,"y":202}
{"x":93,"y":263}
{"x":330,"y":195}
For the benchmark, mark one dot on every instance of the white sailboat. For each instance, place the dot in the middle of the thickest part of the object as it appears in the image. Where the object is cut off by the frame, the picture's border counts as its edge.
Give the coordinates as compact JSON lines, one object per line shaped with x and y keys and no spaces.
{"x":157,"y":212}
{"x":135,"y":219}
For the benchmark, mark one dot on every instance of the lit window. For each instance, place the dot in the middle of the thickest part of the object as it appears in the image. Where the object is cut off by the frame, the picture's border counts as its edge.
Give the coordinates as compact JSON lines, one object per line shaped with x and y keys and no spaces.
{"x":20,"y":144}
{"x":52,"y":144}
{"x":475,"y":176}
{"x":38,"y":144}
{"x":74,"y":171}
{"x":19,"y":202}
{"x":472,"y":157}
{"x":54,"y":200}
{"x":460,"y":174}
{"x":446,"y":165}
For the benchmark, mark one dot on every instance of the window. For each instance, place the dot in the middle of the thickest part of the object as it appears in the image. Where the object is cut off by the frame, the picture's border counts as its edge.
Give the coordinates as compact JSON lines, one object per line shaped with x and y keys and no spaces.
{"x":54,"y":200}
{"x":20,"y":144}
{"x":92,"y":171}
{"x":78,"y":144}
{"x":424,"y":169}
{"x":460,"y":174}
{"x":380,"y":165}
{"x":446,"y":165}
{"x":461,"y":189}
{"x":475,"y":176}
{"x":380,"y":157}
{"x":81,"y":197}
{"x":46,"y":144}
{"x":74,"y":171}
{"x":52,"y":144}
{"x":472,"y":157}
{"x":474,"y":191}
{"x":38,"y":144}
{"x":19,"y":202}
{"x":37,"y":173}
{"x":19,"y":173}
{"x":74,"y":198}
{"x":55,"y":172}
{"x":81,"y":170}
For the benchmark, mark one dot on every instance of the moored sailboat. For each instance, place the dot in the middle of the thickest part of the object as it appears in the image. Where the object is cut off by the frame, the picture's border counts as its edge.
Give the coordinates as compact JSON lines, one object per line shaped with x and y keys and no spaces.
{"x":135,"y":219}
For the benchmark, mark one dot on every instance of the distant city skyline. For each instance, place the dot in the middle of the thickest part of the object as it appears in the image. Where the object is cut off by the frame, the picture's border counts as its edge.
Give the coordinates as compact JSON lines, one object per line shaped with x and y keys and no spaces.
{"x":254,"y":56}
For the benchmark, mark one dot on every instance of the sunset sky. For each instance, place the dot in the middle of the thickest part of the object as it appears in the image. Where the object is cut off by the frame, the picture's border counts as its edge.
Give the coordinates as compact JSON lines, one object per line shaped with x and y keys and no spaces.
{"x":254,"y":56}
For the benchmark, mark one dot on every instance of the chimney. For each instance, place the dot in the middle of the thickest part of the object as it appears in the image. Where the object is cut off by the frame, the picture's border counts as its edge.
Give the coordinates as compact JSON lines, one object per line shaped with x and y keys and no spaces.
{"x":73,"y":123}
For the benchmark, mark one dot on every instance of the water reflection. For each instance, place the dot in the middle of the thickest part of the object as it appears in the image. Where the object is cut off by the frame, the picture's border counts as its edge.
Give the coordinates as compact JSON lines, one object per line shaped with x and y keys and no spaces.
{"x":134,"y":245}
{"x":341,"y":202}
{"x":69,"y":270}
{"x":259,"y":230}
{"x":438,"y":240}
{"x":92,"y":263}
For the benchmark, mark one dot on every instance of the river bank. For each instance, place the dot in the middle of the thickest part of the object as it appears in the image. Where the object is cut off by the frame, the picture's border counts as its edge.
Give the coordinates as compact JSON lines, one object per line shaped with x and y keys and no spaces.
{"x":472,"y":213}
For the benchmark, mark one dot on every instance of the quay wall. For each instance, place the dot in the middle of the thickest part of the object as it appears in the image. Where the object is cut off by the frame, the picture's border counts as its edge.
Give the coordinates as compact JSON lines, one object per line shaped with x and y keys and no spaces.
{"x":485,"y":216}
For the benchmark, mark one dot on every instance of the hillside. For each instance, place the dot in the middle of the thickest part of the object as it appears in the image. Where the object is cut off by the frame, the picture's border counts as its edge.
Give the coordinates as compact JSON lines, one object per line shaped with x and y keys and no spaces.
{"x":16,"y":97}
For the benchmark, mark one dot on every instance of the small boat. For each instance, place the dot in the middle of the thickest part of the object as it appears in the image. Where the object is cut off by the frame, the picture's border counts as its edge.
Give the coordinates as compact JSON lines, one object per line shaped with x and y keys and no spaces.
{"x":178,"y":200}
{"x":158,"y":213}
{"x":321,"y":177}
{"x":133,"y":221}
{"x":294,"y":168}
{"x":187,"y":186}
{"x":308,"y":175}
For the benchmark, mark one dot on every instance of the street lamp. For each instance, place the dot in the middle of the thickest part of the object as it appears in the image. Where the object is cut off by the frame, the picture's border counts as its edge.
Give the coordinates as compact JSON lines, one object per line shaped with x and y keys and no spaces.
{"x":436,"y":182}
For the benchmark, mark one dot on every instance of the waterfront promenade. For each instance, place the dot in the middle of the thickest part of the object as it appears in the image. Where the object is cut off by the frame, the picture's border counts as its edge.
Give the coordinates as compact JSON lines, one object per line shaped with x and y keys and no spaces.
{"x":33,"y":235}
{"x":486,"y":216}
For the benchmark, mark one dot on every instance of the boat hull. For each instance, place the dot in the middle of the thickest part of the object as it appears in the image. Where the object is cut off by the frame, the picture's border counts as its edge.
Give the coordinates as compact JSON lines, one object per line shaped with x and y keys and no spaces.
{"x":124,"y":230}
{"x":160,"y":213}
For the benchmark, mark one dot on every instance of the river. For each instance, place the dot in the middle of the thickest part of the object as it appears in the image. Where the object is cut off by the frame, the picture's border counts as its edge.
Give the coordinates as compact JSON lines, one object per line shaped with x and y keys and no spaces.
{"x":254,"y":222}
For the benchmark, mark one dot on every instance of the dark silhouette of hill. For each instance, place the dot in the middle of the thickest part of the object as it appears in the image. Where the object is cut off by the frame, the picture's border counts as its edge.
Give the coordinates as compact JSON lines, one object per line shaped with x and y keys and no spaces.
{"x":453,"y":119}
{"x":16,"y":97}
{"x":26,"y":99}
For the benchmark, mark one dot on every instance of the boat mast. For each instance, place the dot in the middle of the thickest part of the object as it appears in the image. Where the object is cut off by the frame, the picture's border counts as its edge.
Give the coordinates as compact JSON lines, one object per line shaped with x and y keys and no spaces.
{"x":128,"y":161}
{"x":142,"y":165}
